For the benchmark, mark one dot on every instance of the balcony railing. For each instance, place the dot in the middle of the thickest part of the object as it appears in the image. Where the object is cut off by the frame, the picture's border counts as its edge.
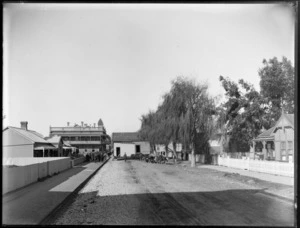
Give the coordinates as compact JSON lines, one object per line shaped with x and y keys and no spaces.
{"x":70,"y":129}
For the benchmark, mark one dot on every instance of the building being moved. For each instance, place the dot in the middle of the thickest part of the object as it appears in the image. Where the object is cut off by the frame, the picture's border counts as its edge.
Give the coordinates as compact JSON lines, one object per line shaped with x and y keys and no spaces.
{"x":85,"y":137}
{"x":21,"y":142}
{"x":129,"y":143}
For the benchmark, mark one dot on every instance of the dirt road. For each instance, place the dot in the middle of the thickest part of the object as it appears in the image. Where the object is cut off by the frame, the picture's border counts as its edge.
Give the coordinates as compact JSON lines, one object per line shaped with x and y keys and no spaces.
{"x":139,"y":193}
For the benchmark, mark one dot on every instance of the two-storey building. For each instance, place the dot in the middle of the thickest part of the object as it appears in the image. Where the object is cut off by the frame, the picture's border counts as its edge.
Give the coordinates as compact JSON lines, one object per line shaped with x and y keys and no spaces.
{"x":84,"y":137}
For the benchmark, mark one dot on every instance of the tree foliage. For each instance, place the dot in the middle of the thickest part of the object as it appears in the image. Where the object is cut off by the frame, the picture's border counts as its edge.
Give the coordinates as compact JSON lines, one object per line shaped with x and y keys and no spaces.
{"x":241,"y":115}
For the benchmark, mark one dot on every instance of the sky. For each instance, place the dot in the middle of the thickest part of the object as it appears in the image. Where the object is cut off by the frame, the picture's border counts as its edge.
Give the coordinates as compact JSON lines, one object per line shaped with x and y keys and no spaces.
{"x":82,"y":62}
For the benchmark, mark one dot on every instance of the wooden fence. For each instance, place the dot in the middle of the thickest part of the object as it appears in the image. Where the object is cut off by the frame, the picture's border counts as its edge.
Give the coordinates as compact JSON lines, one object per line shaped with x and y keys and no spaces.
{"x":19,"y":172}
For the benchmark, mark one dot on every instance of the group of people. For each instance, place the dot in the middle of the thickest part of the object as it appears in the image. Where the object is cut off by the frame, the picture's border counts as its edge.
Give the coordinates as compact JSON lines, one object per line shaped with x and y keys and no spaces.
{"x":95,"y":157}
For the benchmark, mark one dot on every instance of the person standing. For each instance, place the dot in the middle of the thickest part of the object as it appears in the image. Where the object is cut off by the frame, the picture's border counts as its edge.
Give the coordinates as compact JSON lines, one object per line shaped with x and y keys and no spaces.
{"x":125,"y":157}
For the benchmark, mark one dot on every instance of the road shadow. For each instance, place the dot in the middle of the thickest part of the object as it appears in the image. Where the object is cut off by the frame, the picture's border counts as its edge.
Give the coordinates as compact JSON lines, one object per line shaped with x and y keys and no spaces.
{"x":230,"y":208}
{"x":32,"y":203}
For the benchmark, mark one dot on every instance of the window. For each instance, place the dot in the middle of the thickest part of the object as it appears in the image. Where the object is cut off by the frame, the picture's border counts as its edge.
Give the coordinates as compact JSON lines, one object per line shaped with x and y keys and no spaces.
{"x":72,"y":139}
{"x":283,"y":151}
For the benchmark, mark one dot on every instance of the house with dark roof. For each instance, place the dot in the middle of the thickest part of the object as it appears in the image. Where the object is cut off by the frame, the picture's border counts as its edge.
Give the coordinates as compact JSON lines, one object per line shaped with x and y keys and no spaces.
{"x":129,"y":143}
{"x":276,"y":143}
{"x":21,"y":142}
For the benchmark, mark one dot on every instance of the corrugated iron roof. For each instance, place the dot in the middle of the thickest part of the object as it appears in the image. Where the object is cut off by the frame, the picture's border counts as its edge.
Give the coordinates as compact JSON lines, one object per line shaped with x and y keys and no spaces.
{"x":125,"y":137}
{"x":31,"y":135}
{"x":54,"y":139}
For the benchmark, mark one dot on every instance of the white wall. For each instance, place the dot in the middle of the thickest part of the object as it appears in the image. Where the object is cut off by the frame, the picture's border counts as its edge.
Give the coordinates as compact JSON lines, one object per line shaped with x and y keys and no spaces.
{"x":14,"y":145}
{"x":18,"y":151}
{"x":129,"y":148}
{"x":11,"y":137}
{"x":145,"y":147}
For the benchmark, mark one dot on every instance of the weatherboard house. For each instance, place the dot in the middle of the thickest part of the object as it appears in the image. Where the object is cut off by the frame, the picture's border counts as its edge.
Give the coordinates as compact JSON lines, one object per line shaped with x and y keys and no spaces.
{"x":129,"y":143}
{"x":21,"y":142}
{"x":276,"y":143}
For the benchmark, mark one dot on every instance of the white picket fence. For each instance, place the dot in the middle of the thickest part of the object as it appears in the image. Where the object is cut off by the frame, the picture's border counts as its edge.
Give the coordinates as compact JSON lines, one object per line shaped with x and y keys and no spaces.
{"x":271,"y":167}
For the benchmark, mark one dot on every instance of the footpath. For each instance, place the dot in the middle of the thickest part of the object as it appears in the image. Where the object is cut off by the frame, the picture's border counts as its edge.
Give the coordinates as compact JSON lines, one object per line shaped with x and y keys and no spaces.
{"x":272,"y":185}
{"x":32,"y":204}
{"x":262,"y":176}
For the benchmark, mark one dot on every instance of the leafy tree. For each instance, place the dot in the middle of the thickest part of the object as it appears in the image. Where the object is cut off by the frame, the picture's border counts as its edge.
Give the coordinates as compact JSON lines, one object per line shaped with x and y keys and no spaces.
{"x":277,"y":86}
{"x":242,"y":115}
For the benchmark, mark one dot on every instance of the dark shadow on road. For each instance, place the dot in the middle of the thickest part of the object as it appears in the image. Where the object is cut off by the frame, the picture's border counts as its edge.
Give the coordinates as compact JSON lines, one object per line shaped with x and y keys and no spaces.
{"x":33,"y":202}
{"x":230,"y":207}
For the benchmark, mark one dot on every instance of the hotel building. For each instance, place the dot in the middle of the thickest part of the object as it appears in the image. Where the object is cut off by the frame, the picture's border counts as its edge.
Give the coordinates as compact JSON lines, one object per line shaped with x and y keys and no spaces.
{"x":85,"y":137}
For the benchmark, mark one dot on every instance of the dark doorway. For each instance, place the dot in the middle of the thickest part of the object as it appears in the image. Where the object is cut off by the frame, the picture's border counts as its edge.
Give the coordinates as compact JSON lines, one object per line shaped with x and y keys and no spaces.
{"x":118,"y":151}
{"x":137,"y":148}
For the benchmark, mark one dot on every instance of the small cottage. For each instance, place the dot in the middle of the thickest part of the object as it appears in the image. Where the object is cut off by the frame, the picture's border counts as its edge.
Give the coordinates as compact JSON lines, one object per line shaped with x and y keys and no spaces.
{"x":21,"y":142}
{"x":129,"y":143}
{"x":276,"y":143}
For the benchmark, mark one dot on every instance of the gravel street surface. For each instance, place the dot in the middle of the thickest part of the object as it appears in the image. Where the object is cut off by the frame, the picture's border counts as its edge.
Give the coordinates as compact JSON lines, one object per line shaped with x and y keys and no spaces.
{"x":139,"y":193}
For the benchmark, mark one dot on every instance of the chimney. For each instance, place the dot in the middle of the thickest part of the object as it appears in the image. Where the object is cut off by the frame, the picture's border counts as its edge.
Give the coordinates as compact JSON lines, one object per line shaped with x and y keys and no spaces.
{"x":24,"y":125}
{"x":68,"y":124}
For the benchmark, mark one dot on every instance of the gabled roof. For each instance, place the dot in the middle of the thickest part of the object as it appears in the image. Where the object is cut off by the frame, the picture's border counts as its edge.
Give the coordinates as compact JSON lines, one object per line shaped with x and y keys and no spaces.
{"x":125,"y":137}
{"x":33,"y":136}
{"x":290,"y":118}
{"x":266,"y":134}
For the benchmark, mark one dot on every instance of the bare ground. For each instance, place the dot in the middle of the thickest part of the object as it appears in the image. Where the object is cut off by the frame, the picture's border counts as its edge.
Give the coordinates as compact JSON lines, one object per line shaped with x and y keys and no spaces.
{"x":139,"y":193}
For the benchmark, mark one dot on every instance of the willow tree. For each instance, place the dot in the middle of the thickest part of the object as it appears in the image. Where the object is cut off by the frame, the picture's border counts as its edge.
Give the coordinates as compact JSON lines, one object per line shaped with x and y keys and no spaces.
{"x":149,"y":129}
{"x":185,"y":116}
{"x":170,"y":123}
{"x":193,"y":110}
